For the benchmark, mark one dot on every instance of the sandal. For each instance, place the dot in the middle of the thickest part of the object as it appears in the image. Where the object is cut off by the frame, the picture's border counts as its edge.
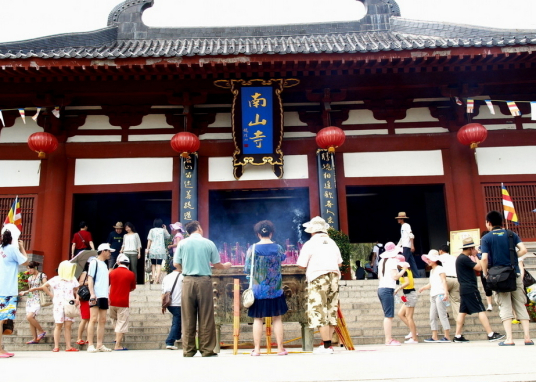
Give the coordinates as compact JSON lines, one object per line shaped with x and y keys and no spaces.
{"x":55,"y":350}
{"x":529,"y":342}
{"x":81,"y":342}
{"x":41,"y":336}
{"x":72,"y":350}
{"x":284,"y":352}
{"x":32,"y":342}
{"x":254,"y":354}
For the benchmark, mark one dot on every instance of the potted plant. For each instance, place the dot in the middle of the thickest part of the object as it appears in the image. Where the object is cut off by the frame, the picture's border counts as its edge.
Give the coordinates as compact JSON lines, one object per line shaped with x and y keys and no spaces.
{"x":343,"y":242}
{"x":23,"y":280}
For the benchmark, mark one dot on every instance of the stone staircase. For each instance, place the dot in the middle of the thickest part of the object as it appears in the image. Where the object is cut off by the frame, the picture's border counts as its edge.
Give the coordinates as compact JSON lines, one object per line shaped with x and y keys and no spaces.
{"x":359,"y":303}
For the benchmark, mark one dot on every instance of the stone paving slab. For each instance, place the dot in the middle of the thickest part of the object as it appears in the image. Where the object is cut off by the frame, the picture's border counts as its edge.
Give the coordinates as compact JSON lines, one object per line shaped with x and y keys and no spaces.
{"x":476,"y":361}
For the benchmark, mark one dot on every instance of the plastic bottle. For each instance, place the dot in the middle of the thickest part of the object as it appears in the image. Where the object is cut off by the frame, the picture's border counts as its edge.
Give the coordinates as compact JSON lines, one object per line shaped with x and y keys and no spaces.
{"x":441,"y":297}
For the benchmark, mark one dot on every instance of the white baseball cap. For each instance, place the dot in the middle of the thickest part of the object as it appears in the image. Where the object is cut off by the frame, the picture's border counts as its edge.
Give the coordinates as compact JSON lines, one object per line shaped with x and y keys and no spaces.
{"x":122,"y":258}
{"x":105,"y":247}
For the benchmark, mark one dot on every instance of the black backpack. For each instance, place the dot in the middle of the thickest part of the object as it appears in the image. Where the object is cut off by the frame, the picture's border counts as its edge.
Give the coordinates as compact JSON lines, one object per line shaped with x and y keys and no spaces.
{"x":502,"y":278}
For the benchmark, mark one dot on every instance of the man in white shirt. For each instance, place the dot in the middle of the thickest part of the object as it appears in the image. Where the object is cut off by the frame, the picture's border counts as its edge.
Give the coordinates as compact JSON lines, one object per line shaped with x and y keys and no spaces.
{"x":377,"y":250}
{"x":98,"y":284}
{"x":449,"y":264}
{"x":173,"y":283}
{"x":406,"y":242}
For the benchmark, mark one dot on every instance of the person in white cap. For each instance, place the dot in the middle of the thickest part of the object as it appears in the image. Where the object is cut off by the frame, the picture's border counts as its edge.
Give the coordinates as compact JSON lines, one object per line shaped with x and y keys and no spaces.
{"x":12,"y":254}
{"x":98,"y":282}
{"x":122,"y":282}
{"x":322,"y":258}
{"x":439,"y":296}
{"x":410,"y":298}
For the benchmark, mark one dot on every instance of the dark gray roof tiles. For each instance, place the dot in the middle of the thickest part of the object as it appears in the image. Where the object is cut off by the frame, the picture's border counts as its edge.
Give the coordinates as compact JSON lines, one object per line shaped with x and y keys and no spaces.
{"x":382,"y":29}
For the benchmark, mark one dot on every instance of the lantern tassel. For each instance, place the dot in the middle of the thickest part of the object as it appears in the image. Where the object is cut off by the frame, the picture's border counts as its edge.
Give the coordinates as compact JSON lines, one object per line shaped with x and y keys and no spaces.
{"x":474,"y":145}
{"x":41,"y":155}
{"x":331,"y":149}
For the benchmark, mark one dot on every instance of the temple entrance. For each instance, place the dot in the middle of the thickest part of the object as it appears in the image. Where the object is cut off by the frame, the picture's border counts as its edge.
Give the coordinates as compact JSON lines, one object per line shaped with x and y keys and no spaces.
{"x":102,"y":211}
{"x":372,"y":211}
{"x":233,"y":213}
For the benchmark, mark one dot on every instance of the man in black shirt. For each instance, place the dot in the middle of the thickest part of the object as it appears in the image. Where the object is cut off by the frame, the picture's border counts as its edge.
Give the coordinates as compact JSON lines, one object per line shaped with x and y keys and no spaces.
{"x":115,"y":239}
{"x":470,"y":299}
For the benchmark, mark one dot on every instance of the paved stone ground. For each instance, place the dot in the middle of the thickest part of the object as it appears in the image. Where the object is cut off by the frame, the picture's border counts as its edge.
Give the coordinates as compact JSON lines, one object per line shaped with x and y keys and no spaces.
{"x":476,"y":361}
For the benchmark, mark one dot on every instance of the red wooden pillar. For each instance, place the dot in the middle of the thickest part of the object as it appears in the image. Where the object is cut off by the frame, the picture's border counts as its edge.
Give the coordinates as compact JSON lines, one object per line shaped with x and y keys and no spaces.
{"x":51,"y":219}
{"x":467,"y":192}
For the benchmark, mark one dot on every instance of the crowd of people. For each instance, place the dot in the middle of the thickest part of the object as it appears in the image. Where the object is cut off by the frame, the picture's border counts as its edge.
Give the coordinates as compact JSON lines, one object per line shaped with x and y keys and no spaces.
{"x":104,"y":287}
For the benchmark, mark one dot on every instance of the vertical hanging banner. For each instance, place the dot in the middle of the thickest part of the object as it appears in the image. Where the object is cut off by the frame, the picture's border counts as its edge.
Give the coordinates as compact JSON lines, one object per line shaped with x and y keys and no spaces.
{"x":188,"y":197}
{"x":327,"y":187}
{"x":257,"y":122}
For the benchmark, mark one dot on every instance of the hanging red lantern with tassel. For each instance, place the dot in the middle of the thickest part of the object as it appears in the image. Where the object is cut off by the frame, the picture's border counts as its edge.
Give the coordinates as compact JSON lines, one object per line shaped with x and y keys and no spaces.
{"x":472,"y":134}
{"x":185,"y":143}
{"x":330,"y":138}
{"x":42,"y":143}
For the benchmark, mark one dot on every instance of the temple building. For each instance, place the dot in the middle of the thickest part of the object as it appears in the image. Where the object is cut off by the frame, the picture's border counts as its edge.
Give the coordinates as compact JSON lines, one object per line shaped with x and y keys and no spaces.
{"x":401,"y":90}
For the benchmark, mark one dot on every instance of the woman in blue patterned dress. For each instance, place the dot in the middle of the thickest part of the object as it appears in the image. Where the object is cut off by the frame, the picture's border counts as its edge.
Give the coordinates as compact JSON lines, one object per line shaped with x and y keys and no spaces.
{"x":267,"y":285}
{"x":156,"y":248}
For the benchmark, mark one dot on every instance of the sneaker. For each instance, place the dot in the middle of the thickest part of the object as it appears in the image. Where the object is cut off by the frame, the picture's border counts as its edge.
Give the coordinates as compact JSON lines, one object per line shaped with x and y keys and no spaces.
{"x":490,"y":308}
{"x":411,"y":341}
{"x":322,"y":350}
{"x":496,"y":337}
{"x":430,"y":340}
{"x":460,"y":339}
{"x":171,"y":347}
{"x":444,"y":340}
{"x":393,"y":343}
{"x":104,"y":349}
{"x":91,"y":349}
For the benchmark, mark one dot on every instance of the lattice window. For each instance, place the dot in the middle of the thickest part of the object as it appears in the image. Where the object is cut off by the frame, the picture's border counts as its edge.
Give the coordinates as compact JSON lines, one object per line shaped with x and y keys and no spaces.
{"x":524,"y":198}
{"x":27,"y":207}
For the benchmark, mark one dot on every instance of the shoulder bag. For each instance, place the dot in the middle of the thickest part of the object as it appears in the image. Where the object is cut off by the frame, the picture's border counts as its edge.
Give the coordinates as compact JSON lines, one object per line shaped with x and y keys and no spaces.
{"x":528,"y":280}
{"x":166,"y":297}
{"x":502,"y":278}
{"x":83,"y":290}
{"x":248,"y":298}
{"x":44,"y":298}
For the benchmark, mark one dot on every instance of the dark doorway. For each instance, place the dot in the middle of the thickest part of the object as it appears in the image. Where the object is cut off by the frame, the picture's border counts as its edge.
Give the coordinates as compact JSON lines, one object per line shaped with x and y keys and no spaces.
{"x":102,"y":211}
{"x":233,"y":214}
{"x":372,"y":212}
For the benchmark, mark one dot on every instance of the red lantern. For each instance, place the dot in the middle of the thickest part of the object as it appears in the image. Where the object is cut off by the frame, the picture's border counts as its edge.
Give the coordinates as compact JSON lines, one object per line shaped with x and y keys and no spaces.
{"x":330,"y":138}
{"x":42,"y":143}
{"x":185,"y":143}
{"x":472,"y":134}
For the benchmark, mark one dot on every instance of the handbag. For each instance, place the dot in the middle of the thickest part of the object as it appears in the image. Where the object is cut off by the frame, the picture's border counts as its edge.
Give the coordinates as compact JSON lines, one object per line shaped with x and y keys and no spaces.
{"x":528,"y":280}
{"x":148,"y":265}
{"x":166,"y":297}
{"x":83,"y":290}
{"x":69,"y":308}
{"x":44,"y":298}
{"x":502,"y":278}
{"x":248,"y":298}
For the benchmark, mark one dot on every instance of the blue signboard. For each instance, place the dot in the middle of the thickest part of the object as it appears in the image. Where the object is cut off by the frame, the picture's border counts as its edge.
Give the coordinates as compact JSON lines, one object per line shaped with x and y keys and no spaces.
{"x":327,"y":187}
{"x":257,"y":120}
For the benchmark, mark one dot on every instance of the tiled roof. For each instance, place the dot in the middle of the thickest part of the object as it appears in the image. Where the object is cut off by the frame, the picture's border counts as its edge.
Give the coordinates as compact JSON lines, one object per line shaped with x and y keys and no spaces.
{"x":126,"y":36}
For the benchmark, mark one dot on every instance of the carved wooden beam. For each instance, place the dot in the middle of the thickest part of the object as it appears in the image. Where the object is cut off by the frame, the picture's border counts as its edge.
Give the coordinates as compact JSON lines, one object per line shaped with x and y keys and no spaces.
{"x":389,"y":109}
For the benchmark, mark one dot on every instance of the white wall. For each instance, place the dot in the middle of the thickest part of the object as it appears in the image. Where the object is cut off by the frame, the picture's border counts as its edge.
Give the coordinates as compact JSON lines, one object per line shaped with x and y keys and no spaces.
{"x":123,"y":171}
{"x":393,"y":163}
{"x":506,"y":160}
{"x":220,"y":169}
{"x":19,"y":132}
{"x":19,"y":173}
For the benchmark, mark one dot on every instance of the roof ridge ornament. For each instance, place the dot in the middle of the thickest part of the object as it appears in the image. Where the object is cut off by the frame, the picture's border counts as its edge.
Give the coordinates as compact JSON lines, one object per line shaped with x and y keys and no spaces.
{"x":127,"y":16}
{"x":378,"y":7}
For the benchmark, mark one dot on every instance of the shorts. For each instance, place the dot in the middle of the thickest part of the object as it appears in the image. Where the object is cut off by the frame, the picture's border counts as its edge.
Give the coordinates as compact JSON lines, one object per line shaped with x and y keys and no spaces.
{"x":102,"y":303}
{"x":512,"y":301}
{"x":323,"y":300}
{"x":119,"y":318}
{"x":156,"y":261}
{"x":387,"y":298}
{"x":84,"y":310}
{"x":8,"y":307}
{"x":471,"y":303}
{"x":412,"y":298}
